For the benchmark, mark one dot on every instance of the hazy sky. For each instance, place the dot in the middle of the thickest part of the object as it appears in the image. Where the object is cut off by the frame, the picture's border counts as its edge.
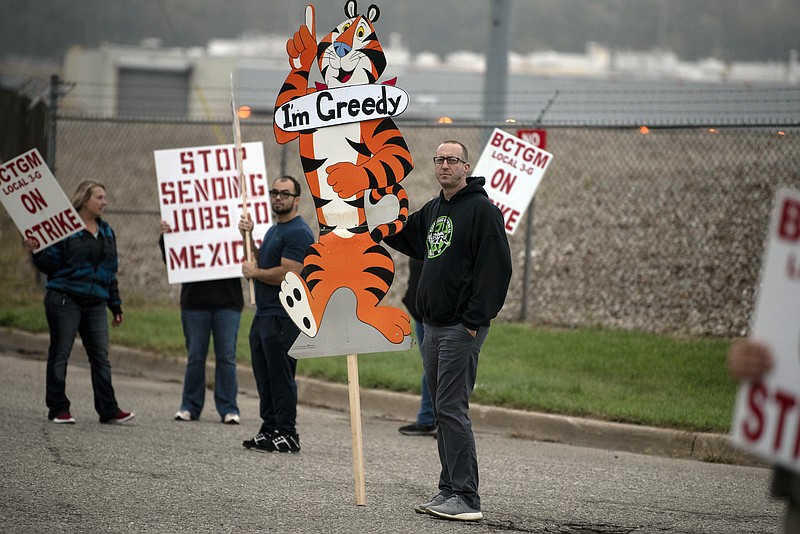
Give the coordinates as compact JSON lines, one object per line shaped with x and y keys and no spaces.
{"x":694,"y":29}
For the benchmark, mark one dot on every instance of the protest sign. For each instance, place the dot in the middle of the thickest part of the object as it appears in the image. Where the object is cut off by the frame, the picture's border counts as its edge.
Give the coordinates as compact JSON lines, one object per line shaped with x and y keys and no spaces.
{"x":199,"y":195}
{"x":513,"y":169}
{"x":767,"y":414}
{"x":535,"y":137}
{"x":36,"y":203}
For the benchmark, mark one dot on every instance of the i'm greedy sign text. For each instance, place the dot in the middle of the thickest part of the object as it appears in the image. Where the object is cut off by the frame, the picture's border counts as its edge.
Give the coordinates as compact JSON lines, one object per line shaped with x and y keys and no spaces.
{"x":341,"y":105}
{"x":201,"y":199}
{"x":35,"y":201}
{"x":767,"y":416}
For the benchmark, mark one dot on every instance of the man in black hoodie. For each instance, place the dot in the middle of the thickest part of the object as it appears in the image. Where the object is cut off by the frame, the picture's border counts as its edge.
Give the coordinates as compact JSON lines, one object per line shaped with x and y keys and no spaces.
{"x":460,"y":237}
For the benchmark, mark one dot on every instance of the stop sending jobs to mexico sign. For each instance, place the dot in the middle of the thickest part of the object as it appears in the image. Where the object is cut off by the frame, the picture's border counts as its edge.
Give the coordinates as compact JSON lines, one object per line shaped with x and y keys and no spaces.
{"x":767,"y":414}
{"x":513,"y":169}
{"x":36,"y":203}
{"x":200,"y":198}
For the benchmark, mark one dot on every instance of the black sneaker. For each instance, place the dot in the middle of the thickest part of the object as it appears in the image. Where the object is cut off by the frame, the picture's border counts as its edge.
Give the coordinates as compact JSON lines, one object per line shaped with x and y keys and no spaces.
{"x":276,"y":442}
{"x":285,"y":443}
{"x":416,"y":429}
{"x":259,"y":439}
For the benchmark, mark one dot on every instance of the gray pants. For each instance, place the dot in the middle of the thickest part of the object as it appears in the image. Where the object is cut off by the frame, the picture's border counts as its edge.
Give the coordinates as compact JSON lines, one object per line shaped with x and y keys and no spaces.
{"x":450,"y":358}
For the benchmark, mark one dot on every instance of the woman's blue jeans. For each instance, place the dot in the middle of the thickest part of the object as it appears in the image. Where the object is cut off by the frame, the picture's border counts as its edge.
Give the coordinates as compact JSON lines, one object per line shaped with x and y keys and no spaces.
{"x":198,"y":328}
{"x":65,"y":318}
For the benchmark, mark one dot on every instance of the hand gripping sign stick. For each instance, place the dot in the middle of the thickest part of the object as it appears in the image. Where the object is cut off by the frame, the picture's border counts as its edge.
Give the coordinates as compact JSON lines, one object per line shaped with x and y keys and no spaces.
{"x":352,"y":359}
{"x":237,"y":139}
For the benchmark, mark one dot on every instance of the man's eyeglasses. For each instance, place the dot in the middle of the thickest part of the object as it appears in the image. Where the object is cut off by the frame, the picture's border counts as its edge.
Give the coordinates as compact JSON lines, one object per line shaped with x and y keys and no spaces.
{"x":451,"y":160}
{"x":274,"y":193}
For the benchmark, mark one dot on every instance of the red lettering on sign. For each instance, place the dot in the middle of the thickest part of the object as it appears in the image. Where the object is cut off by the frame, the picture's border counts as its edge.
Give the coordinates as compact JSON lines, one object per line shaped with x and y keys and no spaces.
{"x":187,"y":163}
{"x":212,"y":188}
{"x":789,"y":226}
{"x":206,"y":160}
{"x":792,"y":267}
{"x":510,"y":215}
{"x":203,"y":154}
{"x":185,"y":258}
{"x":223,"y":160}
{"x":54,"y":228}
{"x":33,"y":200}
{"x":257,"y":188}
{"x":201,"y":218}
{"x":226,"y":253}
{"x":503,"y":181}
{"x":217,"y":254}
{"x":534,"y":137}
{"x":516,"y":147}
{"x":261,"y":210}
{"x":785,"y":402}
{"x":167,"y":193}
{"x":787,"y":412}
{"x":540,"y":160}
{"x":22,"y":165}
{"x":754,"y":427}
{"x":511,"y":219}
{"x":497,"y":139}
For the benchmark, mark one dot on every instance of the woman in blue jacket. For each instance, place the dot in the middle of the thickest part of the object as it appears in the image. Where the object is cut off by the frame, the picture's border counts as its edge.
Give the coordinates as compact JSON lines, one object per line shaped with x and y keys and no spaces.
{"x":81,"y":282}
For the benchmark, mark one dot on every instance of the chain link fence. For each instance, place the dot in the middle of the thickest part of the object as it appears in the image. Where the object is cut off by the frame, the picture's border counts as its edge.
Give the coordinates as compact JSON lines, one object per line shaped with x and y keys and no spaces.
{"x":659,"y":230}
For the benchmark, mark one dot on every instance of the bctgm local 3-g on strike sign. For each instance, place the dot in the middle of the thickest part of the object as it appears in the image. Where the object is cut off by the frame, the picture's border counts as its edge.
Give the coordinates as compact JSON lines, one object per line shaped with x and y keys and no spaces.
{"x":767,"y":415}
{"x":513,"y":169}
{"x":35,"y":201}
{"x":201,"y":200}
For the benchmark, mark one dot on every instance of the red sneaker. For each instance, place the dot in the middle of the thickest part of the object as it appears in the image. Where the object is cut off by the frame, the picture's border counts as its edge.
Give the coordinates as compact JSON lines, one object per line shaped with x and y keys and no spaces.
{"x":63,"y":418}
{"x":120,"y":417}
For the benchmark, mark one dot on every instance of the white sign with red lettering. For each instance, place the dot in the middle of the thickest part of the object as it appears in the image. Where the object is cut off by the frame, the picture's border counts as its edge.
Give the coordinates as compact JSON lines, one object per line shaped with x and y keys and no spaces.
{"x":36,"y":203}
{"x":767,"y":416}
{"x":513,"y":169}
{"x":200,"y":198}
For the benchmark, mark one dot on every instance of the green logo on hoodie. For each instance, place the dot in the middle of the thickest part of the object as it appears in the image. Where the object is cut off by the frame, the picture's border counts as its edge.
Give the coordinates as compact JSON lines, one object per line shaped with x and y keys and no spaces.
{"x":440,"y":235}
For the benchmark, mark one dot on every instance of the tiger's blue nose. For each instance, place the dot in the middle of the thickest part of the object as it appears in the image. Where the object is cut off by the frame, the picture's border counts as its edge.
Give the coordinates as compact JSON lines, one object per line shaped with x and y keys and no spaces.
{"x":342,"y":49}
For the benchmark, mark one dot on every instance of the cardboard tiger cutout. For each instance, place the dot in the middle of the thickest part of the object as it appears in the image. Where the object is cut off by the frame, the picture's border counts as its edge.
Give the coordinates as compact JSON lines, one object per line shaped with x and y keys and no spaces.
{"x":354,"y":158}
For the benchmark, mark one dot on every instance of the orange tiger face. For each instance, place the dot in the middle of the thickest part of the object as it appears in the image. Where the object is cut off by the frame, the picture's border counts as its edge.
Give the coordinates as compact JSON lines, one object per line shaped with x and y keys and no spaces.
{"x":351,"y":54}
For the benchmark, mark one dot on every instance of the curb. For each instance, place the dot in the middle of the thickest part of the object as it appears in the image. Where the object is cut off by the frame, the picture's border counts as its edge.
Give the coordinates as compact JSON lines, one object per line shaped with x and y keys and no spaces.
{"x":401,"y":407}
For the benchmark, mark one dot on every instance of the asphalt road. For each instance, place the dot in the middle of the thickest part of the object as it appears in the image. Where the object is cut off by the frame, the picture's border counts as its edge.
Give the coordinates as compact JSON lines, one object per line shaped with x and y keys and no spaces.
{"x":159,"y":475}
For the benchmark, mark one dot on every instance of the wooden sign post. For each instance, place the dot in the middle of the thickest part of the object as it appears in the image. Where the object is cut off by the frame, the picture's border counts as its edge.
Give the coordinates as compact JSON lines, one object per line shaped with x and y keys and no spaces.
{"x":355,"y":429}
{"x":237,"y":140}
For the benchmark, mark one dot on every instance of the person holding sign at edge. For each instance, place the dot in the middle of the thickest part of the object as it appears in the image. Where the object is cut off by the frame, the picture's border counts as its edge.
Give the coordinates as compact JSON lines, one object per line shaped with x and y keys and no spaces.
{"x":466,"y":271}
{"x":209,"y":308}
{"x":273,"y":332}
{"x":749,"y":359}
{"x":81,"y":282}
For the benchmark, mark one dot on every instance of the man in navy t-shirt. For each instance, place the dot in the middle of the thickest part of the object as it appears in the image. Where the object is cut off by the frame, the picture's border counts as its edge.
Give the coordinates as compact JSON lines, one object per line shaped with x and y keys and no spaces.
{"x":273,"y":332}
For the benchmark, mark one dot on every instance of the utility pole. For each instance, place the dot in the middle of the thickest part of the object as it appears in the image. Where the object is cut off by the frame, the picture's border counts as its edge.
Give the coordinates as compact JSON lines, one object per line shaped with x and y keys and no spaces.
{"x":495,"y":84}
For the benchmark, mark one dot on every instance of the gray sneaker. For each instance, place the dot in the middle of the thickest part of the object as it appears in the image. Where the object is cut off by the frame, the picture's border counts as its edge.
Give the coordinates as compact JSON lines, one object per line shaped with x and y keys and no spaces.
{"x":455,"y":508}
{"x":436,"y":501}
